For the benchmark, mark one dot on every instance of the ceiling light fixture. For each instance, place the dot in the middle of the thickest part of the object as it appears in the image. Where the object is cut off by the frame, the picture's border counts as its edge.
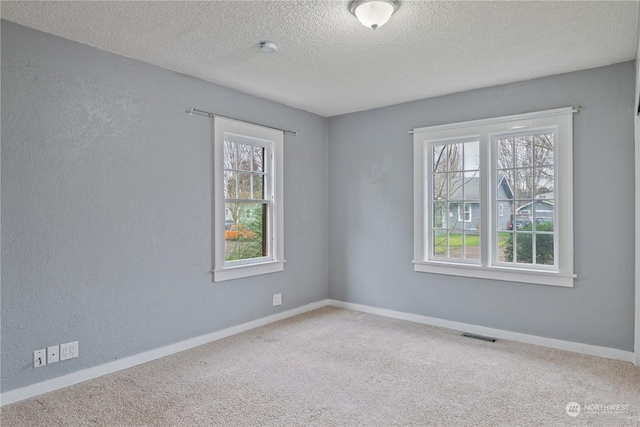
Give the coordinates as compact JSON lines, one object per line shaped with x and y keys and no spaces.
{"x":373,"y":13}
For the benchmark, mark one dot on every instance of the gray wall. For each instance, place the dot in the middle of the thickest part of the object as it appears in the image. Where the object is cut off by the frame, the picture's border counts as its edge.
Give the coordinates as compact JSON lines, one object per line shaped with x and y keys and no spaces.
{"x":106,"y":207}
{"x":371,"y":212}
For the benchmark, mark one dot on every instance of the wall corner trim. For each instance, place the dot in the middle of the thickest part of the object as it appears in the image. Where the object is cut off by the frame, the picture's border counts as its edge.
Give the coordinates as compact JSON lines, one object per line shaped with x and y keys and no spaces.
{"x":82,"y":375}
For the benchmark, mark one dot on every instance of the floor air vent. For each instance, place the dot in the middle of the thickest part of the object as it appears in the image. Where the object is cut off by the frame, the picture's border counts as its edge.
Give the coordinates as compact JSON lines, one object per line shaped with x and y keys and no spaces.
{"x":478,"y":337}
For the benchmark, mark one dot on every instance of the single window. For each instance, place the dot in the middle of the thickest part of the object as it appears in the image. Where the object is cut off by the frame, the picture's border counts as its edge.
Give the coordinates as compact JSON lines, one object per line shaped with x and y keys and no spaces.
{"x":248,"y":217}
{"x":477,"y":170}
{"x":465,"y":216}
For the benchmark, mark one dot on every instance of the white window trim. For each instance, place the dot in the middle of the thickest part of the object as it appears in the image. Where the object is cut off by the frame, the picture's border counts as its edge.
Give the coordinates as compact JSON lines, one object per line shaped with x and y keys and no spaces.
{"x":484,"y":130}
{"x":275,"y":262}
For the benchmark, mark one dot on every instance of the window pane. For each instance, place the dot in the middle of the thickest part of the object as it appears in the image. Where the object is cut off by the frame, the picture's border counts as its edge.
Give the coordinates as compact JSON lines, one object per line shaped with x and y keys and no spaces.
{"x":544,"y":249}
{"x":543,"y":149}
{"x":544,"y":182}
{"x":456,"y":183}
{"x":230,"y":185}
{"x":244,"y":157}
{"x":524,"y":151}
{"x":504,"y":152}
{"x":472,"y":246}
{"x":472,"y":155}
{"x":244,"y":186}
{"x":258,"y":159}
{"x":459,"y":213}
{"x":523,"y":218}
{"x":456,"y":244}
{"x":455,"y":216}
{"x":229,"y":155}
{"x":439,"y":158}
{"x":505,"y":185}
{"x":505,"y":247}
{"x":440,"y":243}
{"x":246,"y":237}
{"x":472,"y":185}
{"x":231,"y":214}
{"x":455,"y":161}
{"x":440,"y":186}
{"x":524,"y":248}
{"x":258,"y":186}
{"x":544,"y":223}
{"x":472,"y":216}
{"x":504,"y":216}
{"x":440,"y":215}
{"x":524,"y":183}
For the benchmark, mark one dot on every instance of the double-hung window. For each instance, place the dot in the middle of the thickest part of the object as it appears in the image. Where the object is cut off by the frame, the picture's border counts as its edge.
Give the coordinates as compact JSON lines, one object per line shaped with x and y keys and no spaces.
{"x":493,"y":198}
{"x":248,"y":204}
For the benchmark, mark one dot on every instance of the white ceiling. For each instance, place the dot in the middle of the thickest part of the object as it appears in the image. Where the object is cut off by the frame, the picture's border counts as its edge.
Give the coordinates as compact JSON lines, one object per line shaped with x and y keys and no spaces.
{"x":330,"y":64}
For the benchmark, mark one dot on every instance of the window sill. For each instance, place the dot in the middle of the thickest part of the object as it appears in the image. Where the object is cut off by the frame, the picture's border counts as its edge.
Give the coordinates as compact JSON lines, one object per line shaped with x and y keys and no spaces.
{"x":247,"y":270}
{"x":496,"y":273}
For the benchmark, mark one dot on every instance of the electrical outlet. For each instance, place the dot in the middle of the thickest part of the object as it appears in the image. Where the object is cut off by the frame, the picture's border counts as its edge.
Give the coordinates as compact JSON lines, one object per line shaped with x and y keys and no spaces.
{"x":277,"y":299}
{"x":73,"y":350}
{"x":64,"y":352}
{"x":53,"y":354}
{"x":39,"y":358}
{"x":69,"y":350}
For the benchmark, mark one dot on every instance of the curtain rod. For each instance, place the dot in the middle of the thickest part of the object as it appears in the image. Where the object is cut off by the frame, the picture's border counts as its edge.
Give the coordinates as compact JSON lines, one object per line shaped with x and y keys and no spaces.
{"x":575,"y":110}
{"x":212,"y":115}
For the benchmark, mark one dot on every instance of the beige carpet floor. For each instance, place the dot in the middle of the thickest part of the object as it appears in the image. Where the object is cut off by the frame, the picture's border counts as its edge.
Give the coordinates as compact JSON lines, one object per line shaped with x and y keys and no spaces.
{"x":335,"y":367}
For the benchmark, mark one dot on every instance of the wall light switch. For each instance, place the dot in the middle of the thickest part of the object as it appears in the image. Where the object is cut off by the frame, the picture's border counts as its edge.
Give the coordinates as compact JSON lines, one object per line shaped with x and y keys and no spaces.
{"x":53,"y":354}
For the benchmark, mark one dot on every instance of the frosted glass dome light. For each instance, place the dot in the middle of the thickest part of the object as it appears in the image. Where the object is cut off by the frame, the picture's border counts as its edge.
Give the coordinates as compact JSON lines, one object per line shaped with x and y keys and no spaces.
{"x":373,"y":13}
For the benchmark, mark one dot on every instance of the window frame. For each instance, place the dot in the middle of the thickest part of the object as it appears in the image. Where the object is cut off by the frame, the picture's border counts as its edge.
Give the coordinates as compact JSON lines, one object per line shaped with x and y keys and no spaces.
{"x":486,"y":131}
{"x":273,"y":187}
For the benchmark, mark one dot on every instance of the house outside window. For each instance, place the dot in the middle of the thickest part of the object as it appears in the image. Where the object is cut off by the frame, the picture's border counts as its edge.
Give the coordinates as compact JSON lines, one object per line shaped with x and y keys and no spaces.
{"x":248,"y":200}
{"x":478,"y":170}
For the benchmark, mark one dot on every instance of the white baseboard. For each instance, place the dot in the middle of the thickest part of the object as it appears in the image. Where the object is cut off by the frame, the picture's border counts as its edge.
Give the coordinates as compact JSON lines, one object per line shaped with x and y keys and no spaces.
{"x":593,"y":350}
{"x":137,"y":359}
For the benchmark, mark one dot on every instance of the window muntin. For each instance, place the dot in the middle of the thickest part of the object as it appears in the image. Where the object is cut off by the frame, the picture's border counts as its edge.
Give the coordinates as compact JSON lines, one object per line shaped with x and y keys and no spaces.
{"x":248,"y":200}
{"x":523,"y":196}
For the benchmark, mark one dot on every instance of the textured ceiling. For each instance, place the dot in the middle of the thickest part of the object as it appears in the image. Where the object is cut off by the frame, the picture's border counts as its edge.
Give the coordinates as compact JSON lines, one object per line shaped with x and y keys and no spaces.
{"x":330,"y":64}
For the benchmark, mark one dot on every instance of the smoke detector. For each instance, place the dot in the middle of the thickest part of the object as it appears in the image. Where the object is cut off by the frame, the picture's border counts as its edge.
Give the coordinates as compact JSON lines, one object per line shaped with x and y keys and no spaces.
{"x":268,"y":47}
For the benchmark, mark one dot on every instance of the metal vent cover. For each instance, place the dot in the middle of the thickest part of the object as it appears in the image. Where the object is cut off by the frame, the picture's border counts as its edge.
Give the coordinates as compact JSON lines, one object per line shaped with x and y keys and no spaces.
{"x":478,"y":337}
